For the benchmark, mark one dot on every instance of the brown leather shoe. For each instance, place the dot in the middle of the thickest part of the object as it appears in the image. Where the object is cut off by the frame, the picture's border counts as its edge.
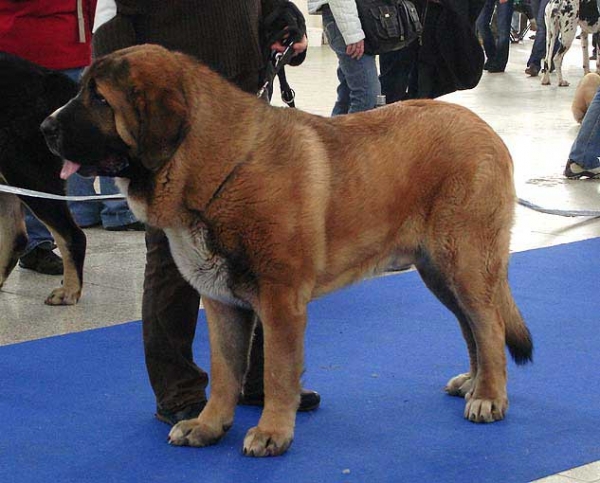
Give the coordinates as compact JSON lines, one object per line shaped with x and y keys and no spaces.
{"x":173,"y":417}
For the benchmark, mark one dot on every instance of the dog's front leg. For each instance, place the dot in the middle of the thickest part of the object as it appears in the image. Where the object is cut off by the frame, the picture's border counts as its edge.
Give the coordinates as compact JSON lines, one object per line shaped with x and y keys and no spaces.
{"x":230,"y":332}
{"x":283,"y":314}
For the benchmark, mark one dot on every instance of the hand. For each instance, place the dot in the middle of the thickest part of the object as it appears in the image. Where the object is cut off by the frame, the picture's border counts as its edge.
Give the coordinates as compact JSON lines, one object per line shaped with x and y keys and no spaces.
{"x":356,"y":50}
{"x":298,"y":47}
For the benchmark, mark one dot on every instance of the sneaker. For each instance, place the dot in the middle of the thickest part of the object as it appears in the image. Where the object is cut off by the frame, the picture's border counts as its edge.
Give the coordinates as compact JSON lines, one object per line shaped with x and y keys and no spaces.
{"x":575,"y":171}
{"x":135,"y":226}
{"x":42,"y":260}
{"x":309,"y":400}
{"x":173,"y":417}
{"x":532,"y":70}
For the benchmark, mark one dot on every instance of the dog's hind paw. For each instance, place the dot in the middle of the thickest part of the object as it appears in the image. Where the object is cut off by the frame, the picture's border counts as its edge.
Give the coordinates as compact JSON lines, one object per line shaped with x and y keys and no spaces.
{"x":459,"y":385}
{"x":266,"y":443}
{"x":485,"y":410}
{"x":60,"y":296}
{"x":563,"y":83}
{"x":194,"y":433}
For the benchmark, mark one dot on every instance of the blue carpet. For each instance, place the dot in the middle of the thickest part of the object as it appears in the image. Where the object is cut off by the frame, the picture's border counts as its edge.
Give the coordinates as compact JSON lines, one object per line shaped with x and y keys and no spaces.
{"x":78,"y":408}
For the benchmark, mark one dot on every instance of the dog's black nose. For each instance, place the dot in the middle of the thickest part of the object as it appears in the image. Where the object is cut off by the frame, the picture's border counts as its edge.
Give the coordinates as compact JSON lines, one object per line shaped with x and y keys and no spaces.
{"x":49,"y":127}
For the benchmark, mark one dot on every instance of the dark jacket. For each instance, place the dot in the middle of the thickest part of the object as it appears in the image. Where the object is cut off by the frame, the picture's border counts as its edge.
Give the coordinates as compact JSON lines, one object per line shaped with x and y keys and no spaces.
{"x":224,"y":34}
{"x":451,"y":57}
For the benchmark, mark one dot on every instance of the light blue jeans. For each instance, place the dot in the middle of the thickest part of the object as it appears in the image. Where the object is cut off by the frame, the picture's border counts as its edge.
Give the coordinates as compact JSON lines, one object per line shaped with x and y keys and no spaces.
{"x":89,"y":213}
{"x":358,"y":80}
{"x":538,"y":51}
{"x":586,"y":147}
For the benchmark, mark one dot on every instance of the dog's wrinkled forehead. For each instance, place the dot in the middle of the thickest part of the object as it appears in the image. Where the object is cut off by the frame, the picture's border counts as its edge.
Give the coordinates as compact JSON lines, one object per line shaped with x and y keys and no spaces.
{"x":112,"y":69}
{"x":139,"y":64}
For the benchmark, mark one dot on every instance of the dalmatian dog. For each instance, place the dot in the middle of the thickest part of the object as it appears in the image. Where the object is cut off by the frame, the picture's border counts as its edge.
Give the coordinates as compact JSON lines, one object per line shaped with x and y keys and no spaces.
{"x":590,"y":25}
{"x":561,"y":25}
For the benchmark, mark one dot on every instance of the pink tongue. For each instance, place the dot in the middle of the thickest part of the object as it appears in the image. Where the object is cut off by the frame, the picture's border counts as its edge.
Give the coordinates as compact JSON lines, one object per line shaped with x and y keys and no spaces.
{"x":69,"y":167}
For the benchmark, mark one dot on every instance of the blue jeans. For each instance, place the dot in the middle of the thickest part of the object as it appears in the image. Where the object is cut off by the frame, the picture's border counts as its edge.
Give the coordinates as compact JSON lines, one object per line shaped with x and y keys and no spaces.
{"x":89,"y":213}
{"x":538,"y":51}
{"x":358,"y":81}
{"x":37,"y":233}
{"x":496,"y":50}
{"x":586,"y":147}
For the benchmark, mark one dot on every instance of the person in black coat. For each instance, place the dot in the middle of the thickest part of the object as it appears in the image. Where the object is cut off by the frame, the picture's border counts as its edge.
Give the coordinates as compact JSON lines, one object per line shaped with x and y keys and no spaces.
{"x":447,"y":58}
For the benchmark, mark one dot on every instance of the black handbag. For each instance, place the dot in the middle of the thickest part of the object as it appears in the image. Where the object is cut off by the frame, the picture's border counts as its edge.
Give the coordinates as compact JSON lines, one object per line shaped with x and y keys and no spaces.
{"x":388,"y":24}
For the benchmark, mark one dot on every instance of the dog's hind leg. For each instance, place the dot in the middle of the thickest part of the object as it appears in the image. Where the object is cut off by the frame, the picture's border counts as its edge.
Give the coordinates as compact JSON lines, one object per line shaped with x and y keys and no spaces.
{"x":13,"y":235}
{"x":230,"y":333}
{"x":551,"y":35}
{"x":461,"y":384}
{"x":71,"y":243}
{"x":566,"y":41}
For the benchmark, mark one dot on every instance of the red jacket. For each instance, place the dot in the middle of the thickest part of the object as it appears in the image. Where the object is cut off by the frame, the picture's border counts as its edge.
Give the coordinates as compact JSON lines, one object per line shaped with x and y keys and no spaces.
{"x":51,"y":33}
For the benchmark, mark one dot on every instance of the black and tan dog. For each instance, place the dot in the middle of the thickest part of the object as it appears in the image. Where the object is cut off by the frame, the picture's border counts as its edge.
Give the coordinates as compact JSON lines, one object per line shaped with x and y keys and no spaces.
{"x":268,"y":208}
{"x":28,"y":94}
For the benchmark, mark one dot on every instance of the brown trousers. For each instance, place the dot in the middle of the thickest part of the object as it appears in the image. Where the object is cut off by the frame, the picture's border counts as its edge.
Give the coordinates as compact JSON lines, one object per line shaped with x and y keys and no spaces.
{"x":169,"y":315}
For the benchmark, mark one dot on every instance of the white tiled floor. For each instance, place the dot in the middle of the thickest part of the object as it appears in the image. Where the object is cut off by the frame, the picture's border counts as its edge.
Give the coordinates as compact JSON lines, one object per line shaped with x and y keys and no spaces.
{"x":535,"y":122}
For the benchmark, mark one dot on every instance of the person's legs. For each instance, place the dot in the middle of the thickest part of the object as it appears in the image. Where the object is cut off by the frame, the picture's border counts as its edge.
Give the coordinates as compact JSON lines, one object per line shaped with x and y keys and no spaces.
{"x":115,"y":214}
{"x":342,"y":102}
{"x":538,"y":51}
{"x":504,"y":13}
{"x":359,"y":82}
{"x":395,"y":72}
{"x":38,"y":254}
{"x":85,"y":213}
{"x":485,"y":30}
{"x":169,"y":315}
{"x":583,"y":158}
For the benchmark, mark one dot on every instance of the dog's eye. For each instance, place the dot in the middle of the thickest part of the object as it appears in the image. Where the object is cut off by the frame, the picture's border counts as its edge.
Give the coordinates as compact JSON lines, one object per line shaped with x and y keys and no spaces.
{"x":98,"y":98}
{"x":95,"y":96}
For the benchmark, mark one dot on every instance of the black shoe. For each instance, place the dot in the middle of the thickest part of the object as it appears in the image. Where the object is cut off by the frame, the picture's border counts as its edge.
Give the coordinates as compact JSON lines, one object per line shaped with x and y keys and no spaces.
{"x":42,"y":260}
{"x":135,"y":226}
{"x":574,"y":171}
{"x":173,"y":417}
{"x":309,"y":400}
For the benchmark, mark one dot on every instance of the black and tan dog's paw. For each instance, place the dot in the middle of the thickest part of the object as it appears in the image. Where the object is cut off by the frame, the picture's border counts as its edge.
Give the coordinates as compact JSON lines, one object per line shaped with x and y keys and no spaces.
{"x":62,"y":296}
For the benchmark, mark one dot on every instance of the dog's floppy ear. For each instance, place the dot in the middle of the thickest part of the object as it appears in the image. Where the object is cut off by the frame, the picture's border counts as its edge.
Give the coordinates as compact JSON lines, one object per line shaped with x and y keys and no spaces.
{"x":163,"y":124}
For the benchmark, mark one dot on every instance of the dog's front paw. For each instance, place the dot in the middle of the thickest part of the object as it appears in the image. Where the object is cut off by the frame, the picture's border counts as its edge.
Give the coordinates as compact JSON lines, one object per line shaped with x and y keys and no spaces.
{"x":194,"y":433}
{"x":267,"y":443}
{"x":546,"y":79}
{"x":460,"y":385}
{"x":60,"y":296}
{"x":563,"y":83}
{"x":485,"y":410}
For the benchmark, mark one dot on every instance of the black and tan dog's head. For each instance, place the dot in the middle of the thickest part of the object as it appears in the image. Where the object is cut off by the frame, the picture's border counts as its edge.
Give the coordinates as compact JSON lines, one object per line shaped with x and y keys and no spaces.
{"x":130,"y":112}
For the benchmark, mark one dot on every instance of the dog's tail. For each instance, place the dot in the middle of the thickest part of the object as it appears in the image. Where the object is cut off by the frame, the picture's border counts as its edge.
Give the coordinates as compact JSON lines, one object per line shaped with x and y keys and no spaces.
{"x":518,"y":337}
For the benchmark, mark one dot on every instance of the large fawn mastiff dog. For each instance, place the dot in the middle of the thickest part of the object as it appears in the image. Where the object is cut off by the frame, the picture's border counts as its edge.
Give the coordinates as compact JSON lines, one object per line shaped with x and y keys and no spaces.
{"x":268,"y":208}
